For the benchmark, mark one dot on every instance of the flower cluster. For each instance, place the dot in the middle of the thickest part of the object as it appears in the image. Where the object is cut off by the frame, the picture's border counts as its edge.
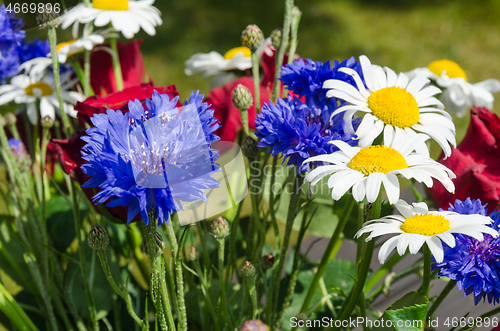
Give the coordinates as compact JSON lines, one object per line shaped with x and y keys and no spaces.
{"x":152,"y":157}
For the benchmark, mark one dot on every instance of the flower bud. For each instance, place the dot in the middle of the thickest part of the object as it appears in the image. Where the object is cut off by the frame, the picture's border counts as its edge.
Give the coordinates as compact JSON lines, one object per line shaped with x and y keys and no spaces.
{"x":98,"y":238}
{"x":47,"y":19}
{"x":160,"y":244}
{"x":10,"y":119}
{"x":220,"y":228}
{"x":252,"y":37}
{"x":192,"y":255}
{"x":47,"y":122}
{"x":254,"y":325}
{"x":249,"y":270}
{"x":242,"y":97}
{"x":276,"y":36}
{"x":249,"y":148}
{"x":267,"y":261}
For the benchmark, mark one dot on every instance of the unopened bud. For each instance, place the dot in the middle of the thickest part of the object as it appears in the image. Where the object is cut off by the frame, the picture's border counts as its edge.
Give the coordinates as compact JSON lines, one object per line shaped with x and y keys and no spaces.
{"x":249,"y":147}
{"x":252,"y":37}
{"x":192,"y":255}
{"x":160,"y":244}
{"x":249,"y":270}
{"x":242,"y":97}
{"x":220,"y":228}
{"x":98,"y":238}
{"x":254,"y":325}
{"x":10,"y":119}
{"x":267,"y":261}
{"x":47,"y":122}
{"x":46,"y":18}
{"x":276,"y":36}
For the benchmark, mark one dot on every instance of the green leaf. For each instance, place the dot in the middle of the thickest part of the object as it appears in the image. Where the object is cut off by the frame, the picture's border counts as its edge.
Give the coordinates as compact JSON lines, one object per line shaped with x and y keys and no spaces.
{"x":14,"y":312}
{"x":407,"y":313}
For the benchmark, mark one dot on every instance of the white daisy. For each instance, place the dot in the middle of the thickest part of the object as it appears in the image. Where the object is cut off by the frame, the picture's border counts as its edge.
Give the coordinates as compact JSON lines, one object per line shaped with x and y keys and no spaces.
{"x":459,"y":95}
{"x":394,"y":102}
{"x":126,"y":16}
{"x":213,"y":63}
{"x":418,"y":225}
{"x":86,"y":42}
{"x":366,"y":169}
{"x":24,"y":89}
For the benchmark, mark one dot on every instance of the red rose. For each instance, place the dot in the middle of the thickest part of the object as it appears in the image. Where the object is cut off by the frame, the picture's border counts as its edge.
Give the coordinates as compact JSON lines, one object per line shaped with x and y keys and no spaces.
{"x":102,"y":77}
{"x":475,"y":162}
{"x":69,"y":150}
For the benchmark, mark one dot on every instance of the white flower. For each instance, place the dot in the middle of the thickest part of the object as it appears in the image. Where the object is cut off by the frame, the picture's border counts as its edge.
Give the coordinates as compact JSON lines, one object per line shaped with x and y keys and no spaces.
{"x":366,"y":169}
{"x":126,"y":16}
{"x":418,"y":225}
{"x":24,"y":89}
{"x":213,"y":63}
{"x":392,"y":101}
{"x":459,"y":95}
{"x":78,"y":45}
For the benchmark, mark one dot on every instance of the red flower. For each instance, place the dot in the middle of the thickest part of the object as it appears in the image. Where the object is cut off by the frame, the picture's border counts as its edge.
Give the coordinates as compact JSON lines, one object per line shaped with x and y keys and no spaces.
{"x":475,"y":162}
{"x":102,"y":77}
{"x":69,"y":150}
{"x":227,"y":113}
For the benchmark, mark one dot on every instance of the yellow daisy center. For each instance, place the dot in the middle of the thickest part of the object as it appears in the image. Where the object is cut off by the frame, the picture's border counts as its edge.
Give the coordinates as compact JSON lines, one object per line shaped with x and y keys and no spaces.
{"x":377,"y":159}
{"x":426,"y":225}
{"x":233,"y":51}
{"x":394,"y":106}
{"x":110,"y":4}
{"x":43,"y":87}
{"x":61,"y":45}
{"x":448,"y":67}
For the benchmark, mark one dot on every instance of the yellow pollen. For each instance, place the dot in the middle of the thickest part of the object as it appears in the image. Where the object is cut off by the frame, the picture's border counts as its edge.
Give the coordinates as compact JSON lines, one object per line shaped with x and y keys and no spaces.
{"x":44,"y":87}
{"x":377,"y":159}
{"x":61,"y":45}
{"x":110,"y":4}
{"x":426,"y":225}
{"x":448,"y":67}
{"x":394,"y":106}
{"x":233,"y":51}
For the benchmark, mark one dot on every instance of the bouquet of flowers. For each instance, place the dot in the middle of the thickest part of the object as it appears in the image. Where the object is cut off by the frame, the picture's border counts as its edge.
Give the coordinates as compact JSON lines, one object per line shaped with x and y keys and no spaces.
{"x":125,"y":208}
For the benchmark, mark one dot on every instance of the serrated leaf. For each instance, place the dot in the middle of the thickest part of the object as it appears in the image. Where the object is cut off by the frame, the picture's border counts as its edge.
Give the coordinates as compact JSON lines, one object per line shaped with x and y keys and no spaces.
{"x":407,"y":313}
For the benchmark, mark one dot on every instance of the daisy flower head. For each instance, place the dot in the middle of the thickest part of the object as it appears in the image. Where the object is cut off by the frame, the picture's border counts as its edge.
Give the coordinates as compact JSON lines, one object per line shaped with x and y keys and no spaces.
{"x":474,"y":264}
{"x":298,"y":131}
{"x":39,"y":95}
{"x":458,"y":95}
{"x":417,"y":225}
{"x":366,"y":169}
{"x":126,"y":16}
{"x":153,"y":158}
{"x":392,"y":102}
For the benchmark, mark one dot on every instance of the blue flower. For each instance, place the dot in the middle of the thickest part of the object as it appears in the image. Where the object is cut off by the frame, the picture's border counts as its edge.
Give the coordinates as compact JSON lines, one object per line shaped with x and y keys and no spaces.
{"x":298,"y":131}
{"x":306,"y":78}
{"x":9,"y":63}
{"x":151,"y":159}
{"x":474,"y":264}
{"x":33,"y":49}
{"x":10,"y":28}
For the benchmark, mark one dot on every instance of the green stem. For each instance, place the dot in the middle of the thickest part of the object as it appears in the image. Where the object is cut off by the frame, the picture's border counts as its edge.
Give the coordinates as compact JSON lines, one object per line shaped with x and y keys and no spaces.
{"x":103,"y":257}
{"x":244,"y":121}
{"x":87,"y":88}
{"x":179,"y":280}
{"x":253,"y":296}
{"x":327,"y":256}
{"x":388,"y":265}
{"x":256,"y":81}
{"x":116,"y":64}
{"x":82,"y":261}
{"x":52,"y":36}
{"x":447,"y":289}
{"x":282,"y":48}
{"x":296,"y":15}
{"x":272,"y":211}
{"x":427,"y":271}
{"x":222,"y":281}
{"x":273,"y":289}
{"x":206,"y":293}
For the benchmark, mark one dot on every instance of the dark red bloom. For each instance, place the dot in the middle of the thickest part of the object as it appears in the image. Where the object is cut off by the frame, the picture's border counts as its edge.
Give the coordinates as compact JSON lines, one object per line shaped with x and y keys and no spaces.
{"x":102,"y":77}
{"x":69,"y":150}
{"x":475,"y":162}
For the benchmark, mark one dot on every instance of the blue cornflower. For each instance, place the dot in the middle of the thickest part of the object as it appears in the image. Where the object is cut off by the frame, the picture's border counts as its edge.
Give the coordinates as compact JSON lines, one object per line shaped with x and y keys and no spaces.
{"x":296,"y":131}
{"x":474,"y":264}
{"x":33,"y":49}
{"x":152,"y":158}
{"x":306,"y":78}
{"x":10,"y":28}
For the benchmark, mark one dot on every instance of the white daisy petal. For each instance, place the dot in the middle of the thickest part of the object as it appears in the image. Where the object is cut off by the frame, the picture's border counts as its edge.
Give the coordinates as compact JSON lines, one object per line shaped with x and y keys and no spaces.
{"x":386,"y":249}
{"x":436,"y":248}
